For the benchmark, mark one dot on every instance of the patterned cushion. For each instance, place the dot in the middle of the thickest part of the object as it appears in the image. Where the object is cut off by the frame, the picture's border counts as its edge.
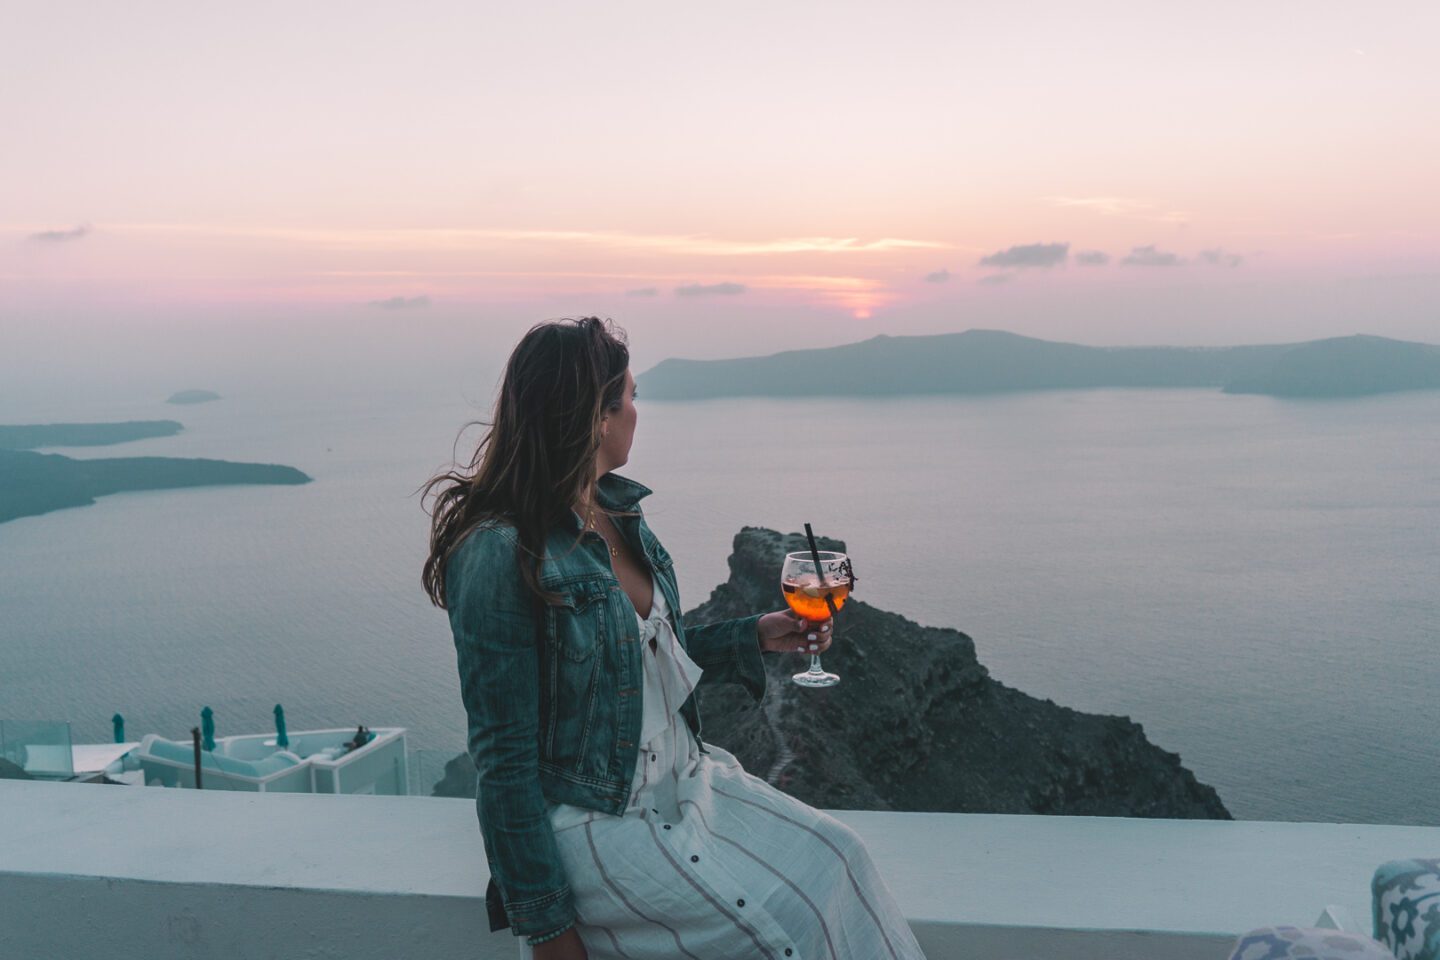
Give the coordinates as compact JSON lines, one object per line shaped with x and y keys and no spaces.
{"x":1405,"y":896}
{"x":1303,"y":943}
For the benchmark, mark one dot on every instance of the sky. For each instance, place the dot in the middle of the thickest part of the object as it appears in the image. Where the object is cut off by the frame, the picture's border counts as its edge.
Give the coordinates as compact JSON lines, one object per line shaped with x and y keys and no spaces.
{"x":724,"y":179}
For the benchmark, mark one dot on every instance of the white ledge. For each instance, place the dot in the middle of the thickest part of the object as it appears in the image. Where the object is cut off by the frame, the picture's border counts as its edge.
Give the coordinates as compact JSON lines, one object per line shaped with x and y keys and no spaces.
{"x":92,"y":870}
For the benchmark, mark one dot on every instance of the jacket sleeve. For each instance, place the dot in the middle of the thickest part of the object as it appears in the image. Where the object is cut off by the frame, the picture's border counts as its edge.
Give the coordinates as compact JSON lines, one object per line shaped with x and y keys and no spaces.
{"x":729,"y":652}
{"x":491,"y":616}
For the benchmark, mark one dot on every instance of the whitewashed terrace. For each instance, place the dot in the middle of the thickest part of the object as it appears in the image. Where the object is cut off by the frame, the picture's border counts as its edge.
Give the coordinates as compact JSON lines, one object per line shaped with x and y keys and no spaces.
{"x":128,"y":872}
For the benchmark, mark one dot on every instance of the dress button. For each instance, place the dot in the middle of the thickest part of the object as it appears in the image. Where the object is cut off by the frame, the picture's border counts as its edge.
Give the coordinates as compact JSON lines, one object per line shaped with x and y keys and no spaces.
{"x":667,"y":826}
{"x":652,"y":758}
{"x":740,"y":902}
{"x":788,"y":951}
{"x":694,"y":859}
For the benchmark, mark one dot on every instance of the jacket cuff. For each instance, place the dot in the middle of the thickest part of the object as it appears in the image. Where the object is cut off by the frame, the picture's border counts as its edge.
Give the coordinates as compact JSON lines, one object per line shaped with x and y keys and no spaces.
{"x":749,"y":667}
{"x":542,"y":914}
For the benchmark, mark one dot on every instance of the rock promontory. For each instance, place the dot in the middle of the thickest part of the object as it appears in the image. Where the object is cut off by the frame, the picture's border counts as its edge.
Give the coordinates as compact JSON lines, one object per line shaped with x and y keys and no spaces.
{"x":28,"y":436}
{"x":35,"y":483}
{"x":917,"y":722}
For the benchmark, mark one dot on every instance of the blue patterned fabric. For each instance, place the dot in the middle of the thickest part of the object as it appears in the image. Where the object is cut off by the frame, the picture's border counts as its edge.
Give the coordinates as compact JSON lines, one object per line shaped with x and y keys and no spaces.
{"x":1305,"y":943}
{"x":1405,"y":897}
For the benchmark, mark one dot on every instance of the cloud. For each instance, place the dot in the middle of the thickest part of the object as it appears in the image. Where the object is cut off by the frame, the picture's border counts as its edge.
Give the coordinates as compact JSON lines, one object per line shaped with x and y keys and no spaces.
{"x":1149,"y":256}
{"x":401,"y":303}
{"x":474,"y":239}
{"x":1028,"y":255}
{"x":1092,"y":258}
{"x":643,"y":292}
{"x":710,"y":289}
{"x":1219,"y":258}
{"x":938,"y":276}
{"x":61,"y":236}
{"x":994,"y":279}
{"x":1126,"y":207}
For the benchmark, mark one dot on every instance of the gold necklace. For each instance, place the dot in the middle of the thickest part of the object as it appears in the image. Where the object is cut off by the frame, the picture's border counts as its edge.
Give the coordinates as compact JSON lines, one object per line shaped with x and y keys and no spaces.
{"x":590,"y":522}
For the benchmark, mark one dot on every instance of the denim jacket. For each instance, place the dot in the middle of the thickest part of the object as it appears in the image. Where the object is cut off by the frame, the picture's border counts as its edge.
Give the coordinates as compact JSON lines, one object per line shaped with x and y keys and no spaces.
{"x":552,"y":692}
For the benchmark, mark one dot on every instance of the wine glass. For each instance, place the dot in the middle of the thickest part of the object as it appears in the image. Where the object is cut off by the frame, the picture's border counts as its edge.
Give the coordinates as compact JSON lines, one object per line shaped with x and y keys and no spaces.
{"x":815,"y":591}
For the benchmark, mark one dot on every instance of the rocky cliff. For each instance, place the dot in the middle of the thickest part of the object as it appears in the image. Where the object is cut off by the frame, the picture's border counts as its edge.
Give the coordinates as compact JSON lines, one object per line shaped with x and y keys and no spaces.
{"x":917,"y":723}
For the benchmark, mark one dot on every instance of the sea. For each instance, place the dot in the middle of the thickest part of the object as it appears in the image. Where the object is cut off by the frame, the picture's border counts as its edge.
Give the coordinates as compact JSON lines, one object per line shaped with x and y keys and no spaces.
{"x":1255,"y":581}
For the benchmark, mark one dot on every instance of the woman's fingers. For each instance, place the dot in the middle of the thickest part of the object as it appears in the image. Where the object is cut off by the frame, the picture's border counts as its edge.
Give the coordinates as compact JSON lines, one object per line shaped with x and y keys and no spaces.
{"x":804,"y":635}
{"x":802,"y":625}
{"x":819,"y":646}
{"x":814,"y":636}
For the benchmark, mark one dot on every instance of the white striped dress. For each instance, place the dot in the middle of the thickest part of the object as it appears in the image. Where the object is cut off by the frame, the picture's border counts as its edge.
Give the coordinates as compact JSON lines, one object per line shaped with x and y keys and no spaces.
{"x":710,"y":862}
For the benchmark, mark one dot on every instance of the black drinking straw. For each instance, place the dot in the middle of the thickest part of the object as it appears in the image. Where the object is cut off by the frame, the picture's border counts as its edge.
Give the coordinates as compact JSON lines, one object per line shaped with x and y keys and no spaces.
{"x":815,"y":555}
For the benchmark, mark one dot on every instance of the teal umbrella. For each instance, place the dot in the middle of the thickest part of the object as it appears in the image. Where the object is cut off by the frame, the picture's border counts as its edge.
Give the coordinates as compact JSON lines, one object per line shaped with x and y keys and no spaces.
{"x":281,"y":740}
{"x":207,"y":724}
{"x":119,"y":723}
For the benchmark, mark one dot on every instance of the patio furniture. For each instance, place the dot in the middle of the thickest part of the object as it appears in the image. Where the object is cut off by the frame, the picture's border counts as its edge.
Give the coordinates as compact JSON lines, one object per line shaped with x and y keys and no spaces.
{"x":1306,"y":943}
{"x":1405,"y":895}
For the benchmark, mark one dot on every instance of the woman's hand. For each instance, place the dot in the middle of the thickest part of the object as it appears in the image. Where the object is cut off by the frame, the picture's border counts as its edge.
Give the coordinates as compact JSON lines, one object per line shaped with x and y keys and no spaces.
{"x":567,"y":946}
{"x":785,"y":632}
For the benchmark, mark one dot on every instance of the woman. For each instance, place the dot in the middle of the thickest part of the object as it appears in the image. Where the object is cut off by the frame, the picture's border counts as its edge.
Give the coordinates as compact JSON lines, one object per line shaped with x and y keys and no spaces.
{"x":610,"y":828}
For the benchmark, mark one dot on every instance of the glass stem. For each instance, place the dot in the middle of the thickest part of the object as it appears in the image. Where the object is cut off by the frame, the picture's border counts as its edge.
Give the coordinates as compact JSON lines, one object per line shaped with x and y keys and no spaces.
{"x":815,"y":663}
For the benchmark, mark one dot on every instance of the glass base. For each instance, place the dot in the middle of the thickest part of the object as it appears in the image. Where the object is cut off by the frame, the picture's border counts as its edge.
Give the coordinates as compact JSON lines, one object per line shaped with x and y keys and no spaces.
{"x":810,"y":678}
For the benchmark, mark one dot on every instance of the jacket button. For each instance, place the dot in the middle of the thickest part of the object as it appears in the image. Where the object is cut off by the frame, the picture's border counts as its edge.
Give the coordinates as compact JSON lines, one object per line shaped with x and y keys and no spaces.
{"x":788,"y":951}
{"x":740,"y":902}
{"x":667,"y":826}
{"x":694,"y":859}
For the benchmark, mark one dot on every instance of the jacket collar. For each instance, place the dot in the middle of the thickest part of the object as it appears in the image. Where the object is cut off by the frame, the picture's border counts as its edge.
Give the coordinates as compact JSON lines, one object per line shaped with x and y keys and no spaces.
{"x":614,"y":492}
{"x":620,"y":493}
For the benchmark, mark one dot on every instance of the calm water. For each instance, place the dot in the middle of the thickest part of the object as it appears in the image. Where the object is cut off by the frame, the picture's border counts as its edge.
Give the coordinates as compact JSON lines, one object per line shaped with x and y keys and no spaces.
{"x":1253,"y":580}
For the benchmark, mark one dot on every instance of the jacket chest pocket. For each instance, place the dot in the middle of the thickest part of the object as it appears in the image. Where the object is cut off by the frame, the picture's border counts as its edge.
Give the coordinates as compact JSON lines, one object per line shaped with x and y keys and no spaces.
{"x":577,"y":625}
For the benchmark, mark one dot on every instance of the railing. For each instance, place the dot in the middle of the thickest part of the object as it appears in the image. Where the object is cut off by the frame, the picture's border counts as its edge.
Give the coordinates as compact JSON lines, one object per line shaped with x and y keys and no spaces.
{"x":39,"y":747}
{"x":89,"y":870}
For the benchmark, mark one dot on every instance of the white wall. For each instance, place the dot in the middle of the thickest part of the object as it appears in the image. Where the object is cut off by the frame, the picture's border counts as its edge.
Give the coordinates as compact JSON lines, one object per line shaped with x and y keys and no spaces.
{"x":120,"y":872}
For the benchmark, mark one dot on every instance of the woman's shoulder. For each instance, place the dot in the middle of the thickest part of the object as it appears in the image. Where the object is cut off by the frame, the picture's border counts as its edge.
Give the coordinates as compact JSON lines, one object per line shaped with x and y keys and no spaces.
{"x":487,"y":547}
{"x":491,"y":531}
{"x":483,"y":571}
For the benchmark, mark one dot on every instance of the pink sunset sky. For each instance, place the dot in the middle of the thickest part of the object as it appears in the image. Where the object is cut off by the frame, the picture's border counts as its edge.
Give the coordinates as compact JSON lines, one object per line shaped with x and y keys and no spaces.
{"x":1099,"y":172}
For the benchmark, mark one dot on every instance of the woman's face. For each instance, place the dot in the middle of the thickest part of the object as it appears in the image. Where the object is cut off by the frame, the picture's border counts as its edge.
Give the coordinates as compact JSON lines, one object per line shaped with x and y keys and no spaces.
{"x":617,"y":430}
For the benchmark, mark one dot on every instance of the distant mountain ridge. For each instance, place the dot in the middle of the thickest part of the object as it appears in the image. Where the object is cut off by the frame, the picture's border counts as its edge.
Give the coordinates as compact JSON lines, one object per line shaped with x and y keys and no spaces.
{"x":994,"y":361}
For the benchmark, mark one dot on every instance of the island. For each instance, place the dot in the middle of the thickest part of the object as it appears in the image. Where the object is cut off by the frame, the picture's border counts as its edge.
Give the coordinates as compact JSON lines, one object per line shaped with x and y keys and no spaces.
{"x":193,"y":396}
{"x":1343,"y":367}
{"x":30,"y":436}
{"x":35,"y":483}
{"x":994,"y":361}
{"x":917,"y":723}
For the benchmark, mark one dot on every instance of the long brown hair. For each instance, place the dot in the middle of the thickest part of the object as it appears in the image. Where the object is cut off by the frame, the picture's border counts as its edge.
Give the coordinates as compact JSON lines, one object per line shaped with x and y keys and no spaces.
{"x":538,"y":456}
